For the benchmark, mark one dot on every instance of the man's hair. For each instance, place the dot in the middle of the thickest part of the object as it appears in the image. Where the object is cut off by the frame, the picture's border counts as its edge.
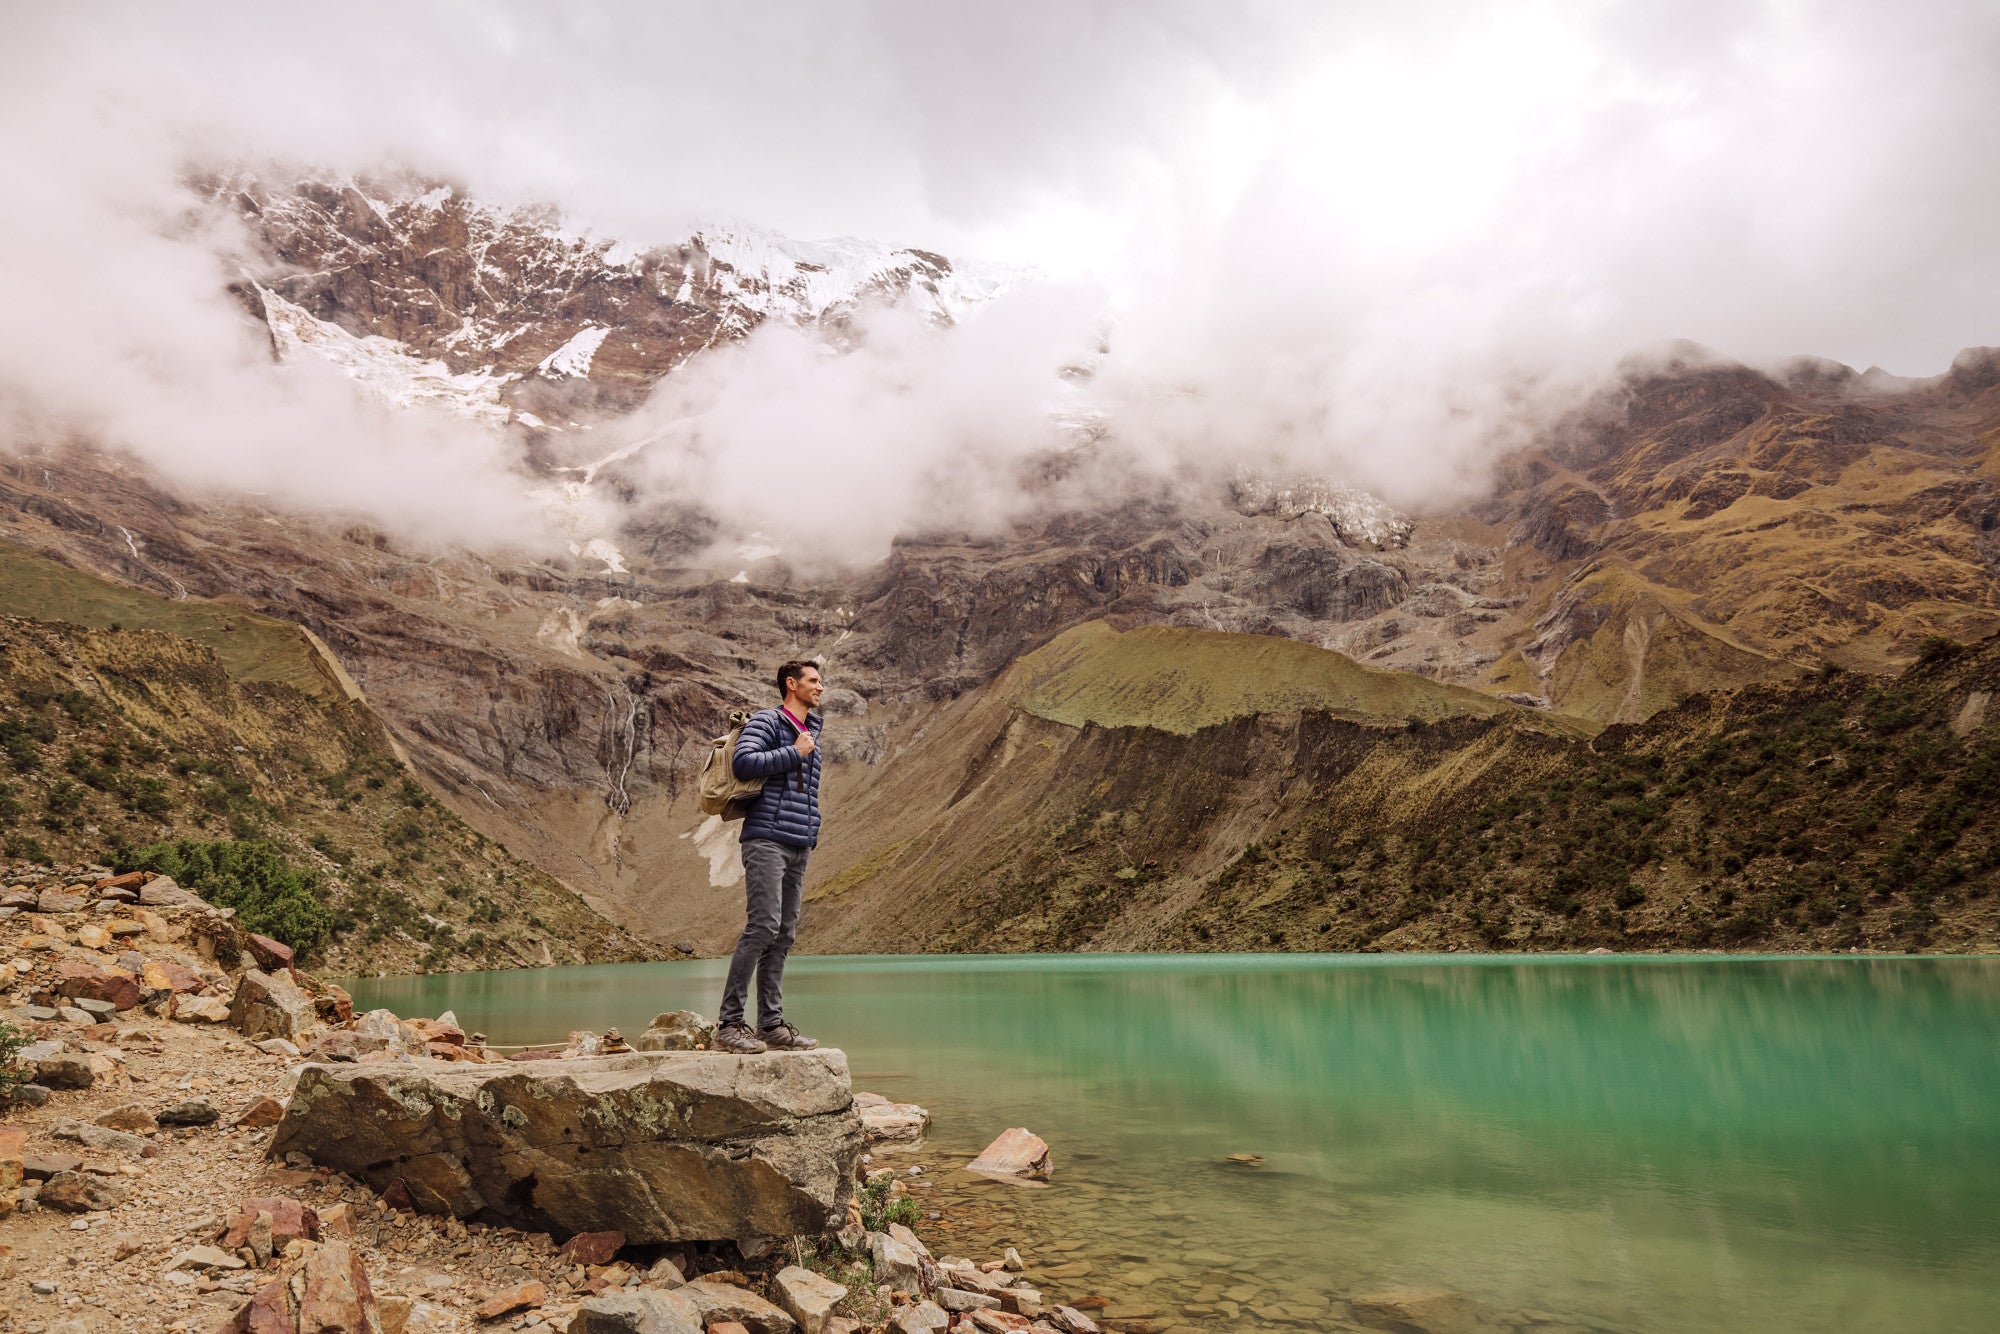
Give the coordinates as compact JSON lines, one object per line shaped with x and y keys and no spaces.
{"x":792,"y":671}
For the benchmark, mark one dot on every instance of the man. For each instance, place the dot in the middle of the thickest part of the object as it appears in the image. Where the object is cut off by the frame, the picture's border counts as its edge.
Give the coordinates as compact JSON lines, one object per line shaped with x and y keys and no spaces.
{"x":780,"y":830}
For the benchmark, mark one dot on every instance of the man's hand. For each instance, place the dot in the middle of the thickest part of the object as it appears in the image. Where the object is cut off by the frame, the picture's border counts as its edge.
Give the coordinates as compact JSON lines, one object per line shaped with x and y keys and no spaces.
{"x":805,"y":743}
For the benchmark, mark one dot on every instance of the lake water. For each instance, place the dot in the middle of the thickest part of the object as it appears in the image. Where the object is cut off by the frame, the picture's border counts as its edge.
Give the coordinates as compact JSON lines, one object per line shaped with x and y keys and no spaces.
{"x":1613,"y":1144}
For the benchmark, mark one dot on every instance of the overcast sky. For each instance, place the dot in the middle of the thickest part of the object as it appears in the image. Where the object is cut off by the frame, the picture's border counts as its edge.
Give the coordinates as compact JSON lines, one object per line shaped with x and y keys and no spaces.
{"x":1354,"y":223}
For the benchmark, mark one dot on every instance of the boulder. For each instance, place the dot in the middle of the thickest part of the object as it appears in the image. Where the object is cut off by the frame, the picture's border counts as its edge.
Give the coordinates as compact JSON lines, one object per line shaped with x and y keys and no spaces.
{"x":891,"y":1123}
{"x":1071,"y":1321}
{"x":593,"y":1248}
{"x":807,"y":1297}
{"x":271,"y":1005}
{"x":725,"y":1301}
{"x":897,"y":1265}
{"x":662,"y":1146}
{"x":923,"y":1318}
{"x":526,"y":1297}
{"x":55,"y":901}
{"x":81,"y":1193}
{"x":1017,"y":1153}
{"x":200,"y":1010}
{"x":958,"y":1299}
{"x":80,"y":981}
{"x":133,"y":880}
{"x":130,"y":1116}
{"x":42,"y":1166}
{"x":103,"y":1138}
{"x":271,"y":955}
{"x":162,"y":892}
{"x":638,"y":1311}
{"x":289,"y":1221}
{"x":62,"y":1072}
{"x":165,"y":975}
{"x":334,"y":1004}
{"x":677,"y":1030}
{"x":261,"y":1113}
{"x":1425,"y":1310}
{"x":191,"y":1112}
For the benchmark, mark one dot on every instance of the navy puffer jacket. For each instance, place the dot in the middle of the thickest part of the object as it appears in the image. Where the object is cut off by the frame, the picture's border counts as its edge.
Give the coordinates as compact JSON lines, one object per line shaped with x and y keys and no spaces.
{"x":787,"y":811}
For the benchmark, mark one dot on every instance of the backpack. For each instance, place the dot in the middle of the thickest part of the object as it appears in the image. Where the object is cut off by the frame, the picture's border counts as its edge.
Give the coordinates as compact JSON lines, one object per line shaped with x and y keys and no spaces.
{"x":722,"y":792}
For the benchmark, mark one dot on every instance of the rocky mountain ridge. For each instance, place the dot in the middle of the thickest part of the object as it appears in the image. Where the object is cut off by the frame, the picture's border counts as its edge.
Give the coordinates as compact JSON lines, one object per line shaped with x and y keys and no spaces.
{"x":1699,"y":526}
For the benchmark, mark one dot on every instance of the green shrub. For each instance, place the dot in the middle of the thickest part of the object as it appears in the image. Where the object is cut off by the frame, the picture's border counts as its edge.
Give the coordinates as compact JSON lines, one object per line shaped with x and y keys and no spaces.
{"x":878,"y":1210}
{"x":270,"y":895}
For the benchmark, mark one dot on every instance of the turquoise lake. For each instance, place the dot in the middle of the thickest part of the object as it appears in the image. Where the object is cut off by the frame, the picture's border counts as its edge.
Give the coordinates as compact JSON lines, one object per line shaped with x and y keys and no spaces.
{"x":1610,"y":1144}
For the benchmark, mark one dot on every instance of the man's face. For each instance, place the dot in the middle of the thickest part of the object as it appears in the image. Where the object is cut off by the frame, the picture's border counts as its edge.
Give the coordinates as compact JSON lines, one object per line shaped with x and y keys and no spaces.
{"x":806,"y":687}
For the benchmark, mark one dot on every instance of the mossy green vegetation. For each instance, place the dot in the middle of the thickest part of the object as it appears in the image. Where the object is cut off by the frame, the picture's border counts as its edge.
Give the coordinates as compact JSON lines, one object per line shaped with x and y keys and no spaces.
{"x":1181,"y":680}
{"x":251,"y":647}
{"x":270,"y":894}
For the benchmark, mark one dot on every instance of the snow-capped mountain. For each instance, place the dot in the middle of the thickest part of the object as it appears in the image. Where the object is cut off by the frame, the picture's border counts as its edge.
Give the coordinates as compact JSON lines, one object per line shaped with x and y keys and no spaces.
{"x":425,"y":294}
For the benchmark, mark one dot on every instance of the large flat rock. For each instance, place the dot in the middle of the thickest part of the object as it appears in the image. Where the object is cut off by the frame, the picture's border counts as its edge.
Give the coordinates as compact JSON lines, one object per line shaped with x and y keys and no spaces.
{"x":662,"y":1146}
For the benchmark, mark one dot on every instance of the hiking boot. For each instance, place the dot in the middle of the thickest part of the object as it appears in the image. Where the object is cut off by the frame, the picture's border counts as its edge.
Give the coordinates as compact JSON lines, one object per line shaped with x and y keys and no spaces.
{"x":737,"y":1038}
{"x":783,"y":1037}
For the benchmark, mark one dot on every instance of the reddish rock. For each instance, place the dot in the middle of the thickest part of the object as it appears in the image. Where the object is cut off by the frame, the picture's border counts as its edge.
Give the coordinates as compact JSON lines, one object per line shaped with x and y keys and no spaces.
{"x":270,"y":954}
{"x":335,"y":1006}
{"x":80,"y":981}
{"x":130,"y":880}
{"x":524,"y":1298}
{"x":396,"y":1195}
{"x":163,"y":975}
{"x":1017,"y":1153}
{"x":290,"y":1221}
{"x":430,"y":1030}
{"x":593,"y":1248}
{"x":263,"y":1112}
{"x":326,"y":1292}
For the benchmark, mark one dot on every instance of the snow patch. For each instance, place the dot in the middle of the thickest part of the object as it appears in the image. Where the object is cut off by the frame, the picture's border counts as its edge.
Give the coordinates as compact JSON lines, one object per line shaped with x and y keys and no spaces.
{"x":383,"y":367}
{"x":574,"y":357}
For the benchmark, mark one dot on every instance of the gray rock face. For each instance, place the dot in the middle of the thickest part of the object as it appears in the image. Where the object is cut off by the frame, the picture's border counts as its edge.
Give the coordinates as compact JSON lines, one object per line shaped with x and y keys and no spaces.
{"x":662,"y":1146}
{"x":638,"y":1312}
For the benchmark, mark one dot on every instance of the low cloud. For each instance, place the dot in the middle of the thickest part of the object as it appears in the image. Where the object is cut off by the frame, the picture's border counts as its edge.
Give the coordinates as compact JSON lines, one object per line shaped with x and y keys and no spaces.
{"x":1377,"y":241}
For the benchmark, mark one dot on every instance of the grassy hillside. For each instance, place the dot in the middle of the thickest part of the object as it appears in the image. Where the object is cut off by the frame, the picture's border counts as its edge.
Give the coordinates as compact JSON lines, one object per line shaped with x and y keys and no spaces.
{"x":1836,"y":811}
{"x":1181,"y":680}
{"x":113,"y":740}
{"x":249,"y":646}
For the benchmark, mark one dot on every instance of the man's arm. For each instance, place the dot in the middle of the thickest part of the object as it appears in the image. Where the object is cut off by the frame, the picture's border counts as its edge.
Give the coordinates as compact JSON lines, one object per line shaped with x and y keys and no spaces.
{"x":762,"y":752}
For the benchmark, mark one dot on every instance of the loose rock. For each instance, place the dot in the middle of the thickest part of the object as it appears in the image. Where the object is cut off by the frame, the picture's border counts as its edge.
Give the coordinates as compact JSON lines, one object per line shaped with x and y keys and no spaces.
{"x":807,"y":1297}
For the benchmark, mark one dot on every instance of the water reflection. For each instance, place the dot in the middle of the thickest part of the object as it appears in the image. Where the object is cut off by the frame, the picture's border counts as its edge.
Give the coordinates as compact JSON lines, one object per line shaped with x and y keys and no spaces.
{"x":1657,"y":1144}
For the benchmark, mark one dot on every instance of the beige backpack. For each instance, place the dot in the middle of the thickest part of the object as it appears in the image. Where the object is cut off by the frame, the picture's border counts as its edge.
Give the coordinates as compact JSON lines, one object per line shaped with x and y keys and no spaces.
{"x":722,"y":792}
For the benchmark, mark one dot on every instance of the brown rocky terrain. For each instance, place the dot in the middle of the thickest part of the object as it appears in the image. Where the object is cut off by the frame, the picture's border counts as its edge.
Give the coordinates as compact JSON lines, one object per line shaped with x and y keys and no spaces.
{"x":1698,"y":527}
{"x":143,"y":743}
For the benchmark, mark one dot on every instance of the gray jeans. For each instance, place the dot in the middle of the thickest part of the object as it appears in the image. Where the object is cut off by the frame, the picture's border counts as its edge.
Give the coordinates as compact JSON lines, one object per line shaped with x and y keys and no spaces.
{"x":774,"y":876}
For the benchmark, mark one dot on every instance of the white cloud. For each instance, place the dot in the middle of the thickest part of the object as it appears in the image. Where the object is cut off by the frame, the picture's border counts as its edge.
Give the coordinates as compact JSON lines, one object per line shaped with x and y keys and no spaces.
{"x":1356,"y":237}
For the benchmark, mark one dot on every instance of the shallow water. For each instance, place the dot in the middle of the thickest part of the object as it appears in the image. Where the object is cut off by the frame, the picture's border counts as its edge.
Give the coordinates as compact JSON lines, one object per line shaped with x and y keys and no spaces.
{"x":1618,"y":1144}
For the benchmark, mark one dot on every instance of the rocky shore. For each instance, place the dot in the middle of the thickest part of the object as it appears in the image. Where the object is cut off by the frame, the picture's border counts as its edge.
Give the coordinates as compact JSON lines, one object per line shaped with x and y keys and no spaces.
{"x":198,"y":1136}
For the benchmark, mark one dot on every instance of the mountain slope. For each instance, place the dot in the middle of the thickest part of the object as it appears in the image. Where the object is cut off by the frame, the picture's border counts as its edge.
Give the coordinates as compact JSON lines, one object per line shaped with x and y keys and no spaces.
{"x":120,"y":737}
{"x":1835,"y":811}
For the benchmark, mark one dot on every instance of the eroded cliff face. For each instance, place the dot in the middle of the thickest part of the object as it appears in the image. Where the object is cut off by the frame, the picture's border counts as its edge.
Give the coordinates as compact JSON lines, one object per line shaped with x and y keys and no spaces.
{"x":1701,"y":527}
